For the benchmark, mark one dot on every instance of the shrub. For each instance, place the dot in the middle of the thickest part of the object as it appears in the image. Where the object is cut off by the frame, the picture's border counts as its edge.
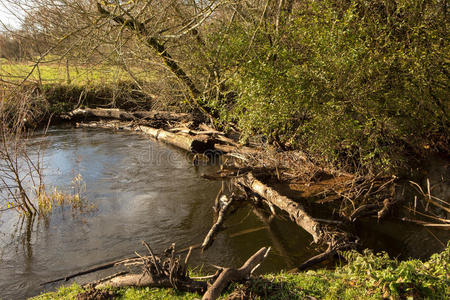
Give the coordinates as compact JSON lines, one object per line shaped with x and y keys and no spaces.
{"x":358,"y":83}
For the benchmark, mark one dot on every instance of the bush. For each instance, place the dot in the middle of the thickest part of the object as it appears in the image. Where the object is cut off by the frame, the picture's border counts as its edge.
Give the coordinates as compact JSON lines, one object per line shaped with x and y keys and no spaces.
{"x":357,"y":83}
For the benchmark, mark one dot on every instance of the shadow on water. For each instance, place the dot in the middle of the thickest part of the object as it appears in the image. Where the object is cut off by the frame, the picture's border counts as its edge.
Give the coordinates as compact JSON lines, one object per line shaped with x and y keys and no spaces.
{"x":142,"y":190}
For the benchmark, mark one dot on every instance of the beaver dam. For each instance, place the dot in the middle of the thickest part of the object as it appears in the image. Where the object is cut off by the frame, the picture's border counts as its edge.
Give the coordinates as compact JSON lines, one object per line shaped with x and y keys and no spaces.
{"x":137,"y":189}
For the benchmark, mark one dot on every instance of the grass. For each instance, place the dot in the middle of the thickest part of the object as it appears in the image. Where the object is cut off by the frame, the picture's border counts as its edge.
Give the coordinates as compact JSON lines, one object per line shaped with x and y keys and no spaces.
{"x":51,"y":93}
{"x":366,"y":276}
{"x":80,"y":75}
{"x":71,"y":292}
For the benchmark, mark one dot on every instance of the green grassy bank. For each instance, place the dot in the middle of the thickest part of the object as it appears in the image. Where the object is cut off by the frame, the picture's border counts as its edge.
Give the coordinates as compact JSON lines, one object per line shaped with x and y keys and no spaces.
{"x":75,"y":74}
{"x":365,"y":276}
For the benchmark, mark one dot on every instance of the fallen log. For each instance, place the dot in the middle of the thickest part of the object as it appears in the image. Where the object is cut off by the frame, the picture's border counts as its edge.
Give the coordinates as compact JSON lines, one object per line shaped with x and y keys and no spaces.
{"x":146,"y":280}
{"x":294,"y":209}
{"x":89,"y":114}
{"x":197,"y":141}
{"x":336,"y":238}
{"x":225,"y":204}
{"x":168,"y":273}
{"x":171,"y":272}
{"x":235,"y":275}
{"x":195,"y":144}
{"x":200,"y":143}
{"x":227,"y":148}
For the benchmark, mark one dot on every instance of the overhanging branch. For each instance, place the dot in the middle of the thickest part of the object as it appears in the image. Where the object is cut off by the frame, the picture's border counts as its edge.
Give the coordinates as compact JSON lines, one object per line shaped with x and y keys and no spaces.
{"x":159,"y":48}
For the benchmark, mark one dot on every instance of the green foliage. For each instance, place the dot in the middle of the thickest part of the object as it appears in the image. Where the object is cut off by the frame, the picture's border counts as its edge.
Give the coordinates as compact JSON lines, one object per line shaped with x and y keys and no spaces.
{"x":154,"y":293}
{"x":71,"y":292}
{"x":365,"y":276}
{"x":64,"y":292}
{"x":389,"y":277}
{"x":357,"y":83}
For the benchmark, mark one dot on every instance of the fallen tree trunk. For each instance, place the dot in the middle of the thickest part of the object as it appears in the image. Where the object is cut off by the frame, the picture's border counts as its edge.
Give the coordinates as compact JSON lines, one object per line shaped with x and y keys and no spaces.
{"x":235,"y":275}
{"x":227,"y":148}
{"x":213,"y":231}
{"x":90,"y":114}
{"x":168,"y":271}
{"x":196,"y":144}
{"x":336,"y":238}
{"x":146,"y":280}
{"x":155,"y":124}
{"x":294,"y":209}
{"x":199,"y":143}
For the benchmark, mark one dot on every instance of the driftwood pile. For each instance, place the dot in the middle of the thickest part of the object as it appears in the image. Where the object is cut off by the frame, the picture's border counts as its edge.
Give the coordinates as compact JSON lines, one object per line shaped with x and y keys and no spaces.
{"x":171,"y":128}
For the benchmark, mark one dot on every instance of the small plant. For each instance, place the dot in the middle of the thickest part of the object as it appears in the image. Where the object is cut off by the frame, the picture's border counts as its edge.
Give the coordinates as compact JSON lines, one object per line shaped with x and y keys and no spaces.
{"x":390,"y":278}
{"x":49,"y":200}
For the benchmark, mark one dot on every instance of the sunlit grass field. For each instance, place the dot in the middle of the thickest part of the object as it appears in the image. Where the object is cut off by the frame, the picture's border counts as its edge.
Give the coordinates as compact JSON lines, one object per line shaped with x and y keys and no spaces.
{"x":79,"y":75}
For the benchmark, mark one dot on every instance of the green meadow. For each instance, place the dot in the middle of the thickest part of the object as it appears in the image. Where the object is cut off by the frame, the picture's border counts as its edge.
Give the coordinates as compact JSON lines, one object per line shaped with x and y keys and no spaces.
{"x":56,"y":73}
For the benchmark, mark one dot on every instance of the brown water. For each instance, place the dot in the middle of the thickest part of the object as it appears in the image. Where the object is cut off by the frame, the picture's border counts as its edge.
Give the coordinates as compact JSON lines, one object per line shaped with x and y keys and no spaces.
{"x":145,"y":190}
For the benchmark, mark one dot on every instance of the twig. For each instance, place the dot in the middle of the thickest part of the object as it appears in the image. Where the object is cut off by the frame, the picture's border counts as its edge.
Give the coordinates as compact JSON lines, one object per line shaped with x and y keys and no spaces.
{"x":152,"y":256}
{"x":91,"y":270}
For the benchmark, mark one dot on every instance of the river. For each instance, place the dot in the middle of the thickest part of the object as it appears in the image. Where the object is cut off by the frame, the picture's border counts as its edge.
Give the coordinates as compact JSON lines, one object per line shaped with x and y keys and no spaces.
{"x":140,"y":189}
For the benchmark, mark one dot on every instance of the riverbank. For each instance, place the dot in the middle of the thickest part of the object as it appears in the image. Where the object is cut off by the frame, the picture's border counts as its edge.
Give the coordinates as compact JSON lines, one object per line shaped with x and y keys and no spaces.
{"x":345,"y":196}
{"x":340,"y":106}
{"x":366,"y":276}
{"x":259,"y":171}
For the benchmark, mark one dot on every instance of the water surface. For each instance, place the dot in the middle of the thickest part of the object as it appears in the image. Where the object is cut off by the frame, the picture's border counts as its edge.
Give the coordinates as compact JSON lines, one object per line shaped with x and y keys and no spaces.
{"x":141,"y":190}
{"x":144,"y":190}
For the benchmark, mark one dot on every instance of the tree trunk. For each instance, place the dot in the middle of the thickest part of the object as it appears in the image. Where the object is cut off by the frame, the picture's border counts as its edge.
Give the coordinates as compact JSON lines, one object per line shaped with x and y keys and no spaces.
{"x":294,"y":209}
{"x":159,"y":48}
{"x":235,"y":275}
{"x":89,"y":114}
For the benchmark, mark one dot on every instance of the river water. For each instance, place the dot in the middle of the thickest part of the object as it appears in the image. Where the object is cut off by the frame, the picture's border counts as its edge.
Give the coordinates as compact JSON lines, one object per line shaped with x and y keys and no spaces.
{"x":139,"y":189}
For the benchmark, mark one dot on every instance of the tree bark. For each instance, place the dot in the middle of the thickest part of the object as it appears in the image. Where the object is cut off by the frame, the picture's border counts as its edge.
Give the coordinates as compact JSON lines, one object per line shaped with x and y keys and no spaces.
{"x":294,"y":209}
{"x":89,"y":114}
{"x":145,"y":280}
{"x":234,"y":275}
{"x":159,"y":48}
{"x":195,"y":144}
